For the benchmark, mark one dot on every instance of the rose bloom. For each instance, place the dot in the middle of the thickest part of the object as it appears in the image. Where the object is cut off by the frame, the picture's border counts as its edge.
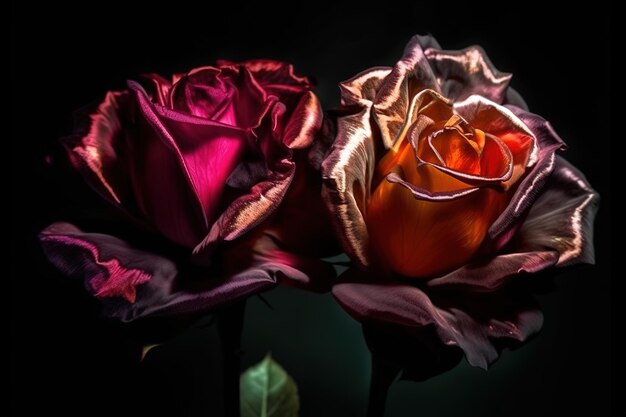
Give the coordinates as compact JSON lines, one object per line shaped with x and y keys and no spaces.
{"x":444,"y":188}
{"x":207,"y":169}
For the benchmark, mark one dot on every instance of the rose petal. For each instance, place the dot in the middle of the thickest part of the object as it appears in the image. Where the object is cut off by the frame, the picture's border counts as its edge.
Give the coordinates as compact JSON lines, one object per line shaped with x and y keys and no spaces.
{"x":499,"y":122}
{"x":304,"y":123}
{"x":96,"y":259}
{"x":489,"y":274}
{"x":265,"y":247}
{"x":408,"y":77}
{"x":228,"y":95}
{"x":469,"y":321}
{"x":275,"y":78}
{"x":173,"y":186}
{"x":529,"y":188}
{"x":272,"y":74}
{"x":265,"y":196}
{"x":303,"y":214}
{"x":561,"y":219}
{"x":96,"y":150}
{"x":363,"y":87}
{"x":158,"y":88}
{"x":412,"y":233}
{"x":132,"y":283}
{"x":513,"y":98}
{"x":347,"y":172}
{"x":456,"y":160}
{"x":423,"y":194}
{"x":207,"y":93}
{"x":467,"y":72}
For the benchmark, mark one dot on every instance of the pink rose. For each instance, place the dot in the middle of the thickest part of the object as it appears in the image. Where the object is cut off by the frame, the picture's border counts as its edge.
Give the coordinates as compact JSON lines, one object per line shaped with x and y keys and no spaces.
{"x":203,"y":160}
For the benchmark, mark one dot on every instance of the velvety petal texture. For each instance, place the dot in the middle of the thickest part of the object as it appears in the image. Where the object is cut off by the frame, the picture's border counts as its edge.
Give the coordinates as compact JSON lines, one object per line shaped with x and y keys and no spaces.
{"x":203,"y":159}
{"x":444,"y":188}
{"x":473,"y":323}
{"x":132,"y":283}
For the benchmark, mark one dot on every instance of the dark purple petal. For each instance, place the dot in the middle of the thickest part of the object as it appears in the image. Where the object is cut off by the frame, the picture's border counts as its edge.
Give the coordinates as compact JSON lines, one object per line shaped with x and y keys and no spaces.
{"x":489,"y":274}
{"x":531,"y":185}
{"x":467,"y":72}
{"x":561,"y":219}
{"x":470,"y":321}
{"x":132,"y":283}
{"x":265,"y":246}
{"x":513,"y":98}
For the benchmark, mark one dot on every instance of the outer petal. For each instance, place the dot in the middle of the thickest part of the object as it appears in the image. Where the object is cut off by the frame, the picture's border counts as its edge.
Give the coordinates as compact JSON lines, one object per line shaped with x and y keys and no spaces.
{"x":304,"y":123}
{"x":531,"y":184}
{"x":408,"y":77}
{"x":275,"y":78}
{"x":467,"y":72}
{"x":490,"y":274}
{"x":132,"y":283}
{"x":270,"y":73}
{"x":347,"y":172}
{"x":513,"y":98}
{"x":97,"y":149}
{"x":562,"y":217}
{"x":264,"y":247}
{"x":349,"y":165}
{"x":470,"y":321}
{"x":158,"y":88}
{"x":363,"y":88}
{"x":302,"y":224}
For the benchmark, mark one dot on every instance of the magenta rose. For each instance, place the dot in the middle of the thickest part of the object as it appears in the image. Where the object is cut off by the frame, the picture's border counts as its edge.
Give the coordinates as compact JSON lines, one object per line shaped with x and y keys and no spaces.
{"x":199,"y":165}
{"x":446,"y":190}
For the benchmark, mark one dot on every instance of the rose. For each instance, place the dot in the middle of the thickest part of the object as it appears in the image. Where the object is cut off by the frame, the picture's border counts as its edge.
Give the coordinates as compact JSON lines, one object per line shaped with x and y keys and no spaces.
{"x":439,"y":174}
{"x":202,"y":161}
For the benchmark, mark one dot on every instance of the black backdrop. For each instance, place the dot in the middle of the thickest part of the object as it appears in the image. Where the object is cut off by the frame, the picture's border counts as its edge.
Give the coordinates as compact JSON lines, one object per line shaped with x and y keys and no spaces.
{"x":66,"y":360}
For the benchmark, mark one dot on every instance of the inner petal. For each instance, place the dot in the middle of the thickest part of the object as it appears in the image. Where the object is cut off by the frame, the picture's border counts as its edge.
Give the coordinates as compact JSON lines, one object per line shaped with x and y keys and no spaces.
{"x":496,"y":158}
{"x":206,"y":93}
{"x":453,"y":149}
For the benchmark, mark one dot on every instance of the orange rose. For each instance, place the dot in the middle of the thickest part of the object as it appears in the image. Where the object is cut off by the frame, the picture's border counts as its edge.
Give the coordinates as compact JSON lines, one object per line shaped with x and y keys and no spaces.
{"x":444,"y":182}
{"x":439,"y":172}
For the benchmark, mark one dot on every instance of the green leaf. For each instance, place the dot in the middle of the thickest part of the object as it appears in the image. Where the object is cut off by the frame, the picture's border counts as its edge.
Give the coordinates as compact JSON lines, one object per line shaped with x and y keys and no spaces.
{"x":268,"y":391}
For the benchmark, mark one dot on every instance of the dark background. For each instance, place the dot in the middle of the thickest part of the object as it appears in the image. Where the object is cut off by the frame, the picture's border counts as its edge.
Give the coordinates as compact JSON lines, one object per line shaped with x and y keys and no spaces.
{"x":66,"y":360}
